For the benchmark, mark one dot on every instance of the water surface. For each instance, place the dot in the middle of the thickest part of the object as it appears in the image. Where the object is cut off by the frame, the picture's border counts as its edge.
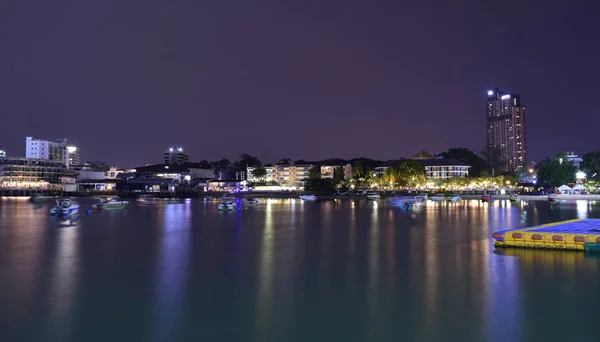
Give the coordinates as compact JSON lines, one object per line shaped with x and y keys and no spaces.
{"x":291,"y":271}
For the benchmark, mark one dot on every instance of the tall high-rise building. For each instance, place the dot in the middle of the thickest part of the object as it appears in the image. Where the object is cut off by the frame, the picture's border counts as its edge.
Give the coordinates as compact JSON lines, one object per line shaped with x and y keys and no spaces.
{"x":175,"y":156}
{"x":46,"y":149}
{"x":74,"y":156}
{"x":506,"y":129}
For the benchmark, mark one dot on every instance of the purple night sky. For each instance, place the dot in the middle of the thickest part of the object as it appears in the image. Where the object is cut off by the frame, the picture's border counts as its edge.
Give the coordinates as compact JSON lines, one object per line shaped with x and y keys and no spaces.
{"x":300,"y":79}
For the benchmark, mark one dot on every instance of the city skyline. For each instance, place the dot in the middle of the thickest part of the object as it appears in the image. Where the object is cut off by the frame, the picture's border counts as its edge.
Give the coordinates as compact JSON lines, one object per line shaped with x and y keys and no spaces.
{"x":311,"y":81}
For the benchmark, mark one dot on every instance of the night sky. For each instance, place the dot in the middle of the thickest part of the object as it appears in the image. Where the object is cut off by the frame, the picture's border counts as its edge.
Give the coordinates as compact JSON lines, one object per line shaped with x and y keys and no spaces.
{"x":124,"y":80}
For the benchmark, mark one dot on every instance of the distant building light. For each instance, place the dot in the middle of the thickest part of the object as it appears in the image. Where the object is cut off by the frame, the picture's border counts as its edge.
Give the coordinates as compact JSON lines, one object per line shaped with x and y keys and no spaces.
{"x":180,"y":149}
{"x":490,"y":92}
{"x":171,"y":149}
{"x":187,"y":177}
{"x":580,"y":175}
{"x":504,"y":97}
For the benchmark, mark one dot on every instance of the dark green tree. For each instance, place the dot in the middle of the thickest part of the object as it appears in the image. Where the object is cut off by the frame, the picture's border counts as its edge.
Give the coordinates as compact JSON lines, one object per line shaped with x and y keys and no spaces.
{"x":410,"y":173}
{"x":524,"y":174}
{"x":556,"y":171}
{"x":300,"y":162}
{"x":314,"y":173}
{"x":338,"y":175}
{"x":246,"y":161}
{"x":222,"y":164}
{"x":357,"y":169}
{"x":492,"y":156}
{"x":465,"y":155}
{"x":591,"y":165}
{"x":316,"y":184}
{"x":259,"y":172}
{"x":284,"y":161}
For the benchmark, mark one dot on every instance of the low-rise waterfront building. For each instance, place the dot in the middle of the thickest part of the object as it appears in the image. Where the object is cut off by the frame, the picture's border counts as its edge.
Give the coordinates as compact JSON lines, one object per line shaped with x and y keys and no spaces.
{"x":33,"y":170}
{"x":381,"y":169}
{"x":282,"y":174}
{"x":444,"y":168}
{"x":299,"y":174}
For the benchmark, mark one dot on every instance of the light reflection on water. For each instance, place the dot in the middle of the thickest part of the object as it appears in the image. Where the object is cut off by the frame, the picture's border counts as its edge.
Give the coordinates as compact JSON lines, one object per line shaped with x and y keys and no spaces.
{"x":295,"y":271}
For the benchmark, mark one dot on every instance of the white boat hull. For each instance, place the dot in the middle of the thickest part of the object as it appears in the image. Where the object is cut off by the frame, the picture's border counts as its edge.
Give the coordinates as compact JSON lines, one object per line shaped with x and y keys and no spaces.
{"x":65,"y":208}
{"x":225,"y":207}
{"x":308,"y":198}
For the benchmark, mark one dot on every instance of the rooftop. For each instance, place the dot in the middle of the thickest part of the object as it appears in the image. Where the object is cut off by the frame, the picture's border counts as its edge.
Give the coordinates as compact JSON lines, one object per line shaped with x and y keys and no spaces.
{"x":442,"y":162}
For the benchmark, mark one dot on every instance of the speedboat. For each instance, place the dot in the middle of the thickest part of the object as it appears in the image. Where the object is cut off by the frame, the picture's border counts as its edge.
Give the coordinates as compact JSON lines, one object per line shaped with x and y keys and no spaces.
{"x":453,"y":199}
{"x":226,"y":205}
{"x":308,"y":197}
{"x":250,"y":202}
{"x":39,"y":198}
{"x":513,"y":198}
{"x":65,"y":207}
{"x":110,"y":203}
{"x":487,"y":198}
{"x":373,"y":196}
{"x":147,"y":200}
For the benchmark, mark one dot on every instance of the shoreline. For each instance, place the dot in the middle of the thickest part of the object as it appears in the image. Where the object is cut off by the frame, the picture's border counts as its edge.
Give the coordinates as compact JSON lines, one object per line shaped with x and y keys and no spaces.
{"x":291,"y":195}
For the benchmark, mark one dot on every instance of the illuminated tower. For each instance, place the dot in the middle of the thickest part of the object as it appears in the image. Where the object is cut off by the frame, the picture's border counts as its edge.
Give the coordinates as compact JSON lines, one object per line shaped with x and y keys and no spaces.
{"x":506,"y":129}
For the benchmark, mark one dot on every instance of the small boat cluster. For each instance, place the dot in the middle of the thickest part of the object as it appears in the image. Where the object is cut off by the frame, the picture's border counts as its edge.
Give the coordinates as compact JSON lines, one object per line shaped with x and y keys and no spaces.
{"x":228,"y":203}
{"x":66,"y":206}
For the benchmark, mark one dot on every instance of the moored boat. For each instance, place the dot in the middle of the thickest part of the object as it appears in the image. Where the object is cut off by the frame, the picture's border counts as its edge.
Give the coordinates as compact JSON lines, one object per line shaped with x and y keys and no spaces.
{"x":40,"y":199}
{"x":147,"y":200}
{"x":453,"y":198}
{"x":308,"y":197}
{"x":65,"y":207}
{"x":552,"y":198}
{"x":487,"y":198}
{"x":373,"y":196}
{"x":250,"y":202}
{"x":437,"y":197}
{"x":513,"y":198}
{"x":226,"y":205}
{"x":110,"y":203}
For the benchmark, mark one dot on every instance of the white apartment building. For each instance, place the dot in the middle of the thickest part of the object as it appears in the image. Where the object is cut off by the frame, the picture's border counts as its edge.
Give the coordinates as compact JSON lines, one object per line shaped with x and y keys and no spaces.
{"x":283,"y":174}
{"x":47,"y":150}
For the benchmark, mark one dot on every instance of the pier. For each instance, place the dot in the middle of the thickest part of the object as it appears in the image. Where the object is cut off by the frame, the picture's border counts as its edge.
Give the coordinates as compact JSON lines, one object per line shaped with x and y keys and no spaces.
{"x":578,"y":234}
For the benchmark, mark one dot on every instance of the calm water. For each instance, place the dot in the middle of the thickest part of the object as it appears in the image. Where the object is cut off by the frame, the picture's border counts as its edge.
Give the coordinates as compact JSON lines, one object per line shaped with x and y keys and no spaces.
{"x":291,"y":271}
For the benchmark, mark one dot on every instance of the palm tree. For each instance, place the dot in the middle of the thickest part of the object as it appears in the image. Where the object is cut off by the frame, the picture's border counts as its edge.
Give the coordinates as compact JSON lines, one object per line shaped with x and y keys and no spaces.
{"x":259,"y":172}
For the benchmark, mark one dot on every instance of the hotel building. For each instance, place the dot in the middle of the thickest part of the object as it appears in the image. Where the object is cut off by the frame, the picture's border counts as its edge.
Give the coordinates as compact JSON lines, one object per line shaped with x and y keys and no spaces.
{"x":506,"y":128}
{"x":47,"y":150}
